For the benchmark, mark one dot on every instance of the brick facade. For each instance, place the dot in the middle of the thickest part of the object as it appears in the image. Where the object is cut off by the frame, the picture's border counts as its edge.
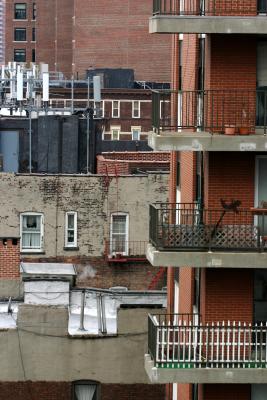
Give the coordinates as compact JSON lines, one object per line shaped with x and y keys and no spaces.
{"x":84,"y":34}
{"x":9,"y":258}
{"x":63,"y":391}
{"x":129,"y":162}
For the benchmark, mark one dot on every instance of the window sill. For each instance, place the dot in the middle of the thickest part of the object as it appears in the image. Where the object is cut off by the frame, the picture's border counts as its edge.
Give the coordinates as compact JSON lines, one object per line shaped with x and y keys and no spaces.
{"x":20,"y":19}
{"x":69,"y":248}
{"x":20,"y":41}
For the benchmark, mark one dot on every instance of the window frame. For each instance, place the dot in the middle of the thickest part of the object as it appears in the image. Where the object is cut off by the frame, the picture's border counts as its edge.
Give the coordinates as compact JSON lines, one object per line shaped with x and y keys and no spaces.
{"x":33,"y":34}
{"x":16,"y":29}
{"x":136,"y":128}
{"x":115,"y":128}
{"x":31,"y":249}
{"x":20,"y":61}
{"x":34,"y":9}
{"x":85,"y":382}
{"x":75,"y":242}
{"x":113,"y":108}
{"x":15,"y":12}
{"x":111,"y":234}
{"x":134,"y":109}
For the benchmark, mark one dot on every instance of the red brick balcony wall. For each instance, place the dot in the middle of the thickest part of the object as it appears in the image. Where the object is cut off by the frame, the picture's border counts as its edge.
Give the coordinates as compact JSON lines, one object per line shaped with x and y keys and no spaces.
{"x":231,"y":63}
{"x":223,"y":298}
{"x":230,"y":177}
{"x":9,"y":259}
{"x":222,"y":392}
{"x":230,"y":7}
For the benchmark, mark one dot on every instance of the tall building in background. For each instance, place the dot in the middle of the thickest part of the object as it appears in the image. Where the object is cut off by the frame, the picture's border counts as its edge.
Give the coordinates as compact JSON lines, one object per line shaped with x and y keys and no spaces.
{"x":2,"y":31}
{"x":75,"y":36}
{"x":212,"y":344}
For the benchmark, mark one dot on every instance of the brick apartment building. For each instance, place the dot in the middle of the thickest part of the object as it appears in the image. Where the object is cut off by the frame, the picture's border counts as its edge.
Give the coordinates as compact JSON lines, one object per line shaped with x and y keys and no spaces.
{"x":213,"y":346}
{"x":73,"y":36}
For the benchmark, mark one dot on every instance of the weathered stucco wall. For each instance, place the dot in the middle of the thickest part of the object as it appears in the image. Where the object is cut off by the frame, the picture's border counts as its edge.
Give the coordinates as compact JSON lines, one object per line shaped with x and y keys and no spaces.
{"x":93,"y":197}
{"x":42,"y":347}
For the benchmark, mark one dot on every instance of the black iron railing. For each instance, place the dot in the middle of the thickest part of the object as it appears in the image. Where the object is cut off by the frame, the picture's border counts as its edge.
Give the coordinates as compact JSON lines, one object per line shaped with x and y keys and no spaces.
{"x":209,"y":7}
{"x":120,"y":249}
{"x":210,"y":110}
{"x":182,"y":341}
{"x":187,"y":226}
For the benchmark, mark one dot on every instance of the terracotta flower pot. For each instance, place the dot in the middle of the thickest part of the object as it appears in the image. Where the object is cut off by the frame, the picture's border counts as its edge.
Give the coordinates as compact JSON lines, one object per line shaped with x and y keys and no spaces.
{"x":244,"y":130}
{"x":229,"y":130}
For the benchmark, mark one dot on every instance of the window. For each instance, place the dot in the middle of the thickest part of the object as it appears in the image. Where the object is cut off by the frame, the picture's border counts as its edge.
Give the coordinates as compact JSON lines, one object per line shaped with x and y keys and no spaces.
{"x":115,"y":109}
{"x":136,"y":109}
{"x":20,"y":11}
{"x":34,"y":11}
{"x":86,"y":390}
{"x":20,"y":34}
{"x":119,"y":233}
{"x":31,"y":232}
{"x":33,"y":55}
{"x":71,"y":229}
{"x":98,"y":109}
{"x":115,"y":132}
{"x":33,"y":35}
{"x":136,"y":132}
{"x":20,"y":55}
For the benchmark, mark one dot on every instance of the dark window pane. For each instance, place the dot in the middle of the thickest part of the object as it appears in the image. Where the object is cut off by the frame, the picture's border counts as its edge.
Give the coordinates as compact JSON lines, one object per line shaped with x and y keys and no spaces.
{"x":20,"y":34}
{"x":20,"y":11}
{"x":20,"y":55}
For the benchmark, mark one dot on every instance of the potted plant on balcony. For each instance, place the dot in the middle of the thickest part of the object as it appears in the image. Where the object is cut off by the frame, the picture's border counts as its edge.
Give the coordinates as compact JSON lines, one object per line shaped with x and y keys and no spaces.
{"x":244,"y":129}
{"x":229,"y":129}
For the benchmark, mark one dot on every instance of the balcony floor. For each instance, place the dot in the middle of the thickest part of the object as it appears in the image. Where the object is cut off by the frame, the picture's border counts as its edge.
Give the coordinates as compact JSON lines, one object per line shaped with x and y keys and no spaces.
{"x":205,"y":259}
{"x":202,"y":24}
{"x":204,"y":141}
{"x":205,"y":375}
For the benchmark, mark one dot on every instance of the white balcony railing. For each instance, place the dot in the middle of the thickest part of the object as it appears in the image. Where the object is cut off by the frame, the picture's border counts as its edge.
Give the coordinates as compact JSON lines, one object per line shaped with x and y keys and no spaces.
{"x":187,"y":344}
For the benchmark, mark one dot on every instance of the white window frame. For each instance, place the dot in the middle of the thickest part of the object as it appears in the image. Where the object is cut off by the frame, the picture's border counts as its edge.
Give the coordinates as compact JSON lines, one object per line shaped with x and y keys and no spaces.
{"x":126,"y":252}
{"x":115,"y":128}
{"x":74,"y":243}
{"x":31,"y":249}
{"x":138,"y":109}
{"x":116,"y":108}
{"x":136,"y":128}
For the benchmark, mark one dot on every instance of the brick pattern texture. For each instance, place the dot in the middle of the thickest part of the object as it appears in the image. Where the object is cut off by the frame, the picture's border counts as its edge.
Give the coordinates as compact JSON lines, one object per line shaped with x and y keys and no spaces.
{"x":9,"y":259}
{"x":63,"y":391}
{"x":127,"y":162}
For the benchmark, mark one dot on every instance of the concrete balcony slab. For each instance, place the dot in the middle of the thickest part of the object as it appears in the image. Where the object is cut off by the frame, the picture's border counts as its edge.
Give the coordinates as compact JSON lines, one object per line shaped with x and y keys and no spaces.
{"x":208,"y":24}
{"x":204,"y":141}
{"x":202,"y":259}
{"x":205,"y":375}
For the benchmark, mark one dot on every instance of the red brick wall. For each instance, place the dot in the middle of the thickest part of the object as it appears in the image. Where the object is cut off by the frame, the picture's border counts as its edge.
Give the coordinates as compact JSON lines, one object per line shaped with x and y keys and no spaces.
{"x":115,"y":35}
{"x":96,"y":272}
{"x":223,"y":298}
{"x":231,"y":177}
{"x":9,"y":259}
{"x":11,"y":24}
{"x":63,"y":391}
{"x":127,"y":162}
{"x":223,"y":392}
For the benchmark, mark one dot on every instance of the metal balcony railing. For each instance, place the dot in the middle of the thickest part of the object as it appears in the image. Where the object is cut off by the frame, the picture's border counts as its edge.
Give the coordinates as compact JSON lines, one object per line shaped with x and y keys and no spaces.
{"x":210,"y":110}
{"x":187,"y":226}
{"x":182,"y":341}
{"x":209,"y":7}
{"x":119,"y":251}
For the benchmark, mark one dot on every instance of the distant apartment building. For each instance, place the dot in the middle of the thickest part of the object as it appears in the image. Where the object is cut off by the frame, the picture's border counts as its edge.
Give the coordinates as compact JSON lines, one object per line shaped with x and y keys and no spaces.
{"x":73,"y":36}
{"x":2,"y":31}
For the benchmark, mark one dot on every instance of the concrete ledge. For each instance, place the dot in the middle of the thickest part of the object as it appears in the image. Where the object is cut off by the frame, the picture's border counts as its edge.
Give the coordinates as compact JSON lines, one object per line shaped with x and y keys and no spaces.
{"x":208,"y":375}
{"x":201,"y":24}
{"x":204,"y":141}
{"x":199,"y":259}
